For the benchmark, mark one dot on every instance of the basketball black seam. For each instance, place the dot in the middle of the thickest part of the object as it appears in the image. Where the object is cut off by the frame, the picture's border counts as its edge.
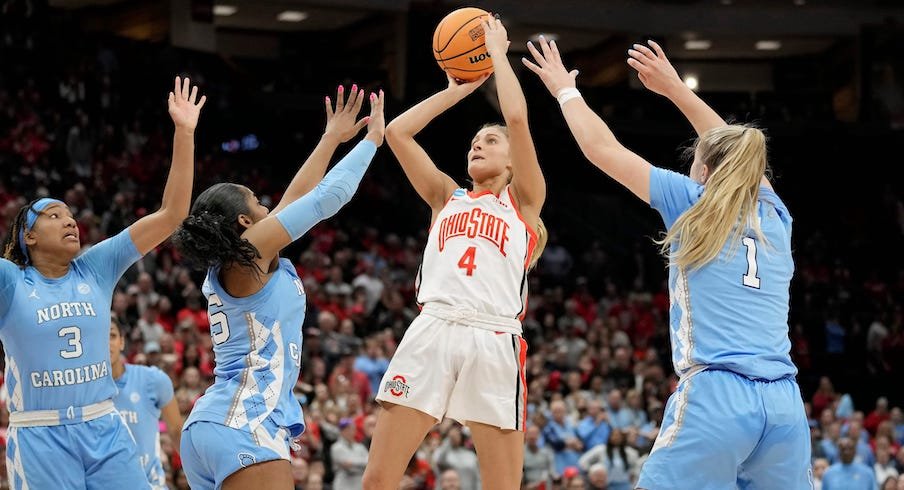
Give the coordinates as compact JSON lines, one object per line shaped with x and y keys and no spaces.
{"x":462,"y":54}
{"x":452,"y":36}
{"x":461,"y":69}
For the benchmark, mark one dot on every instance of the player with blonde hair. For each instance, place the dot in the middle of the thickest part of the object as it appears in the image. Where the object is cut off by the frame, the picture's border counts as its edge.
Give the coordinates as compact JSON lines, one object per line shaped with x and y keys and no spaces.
{"x":737,"y":412}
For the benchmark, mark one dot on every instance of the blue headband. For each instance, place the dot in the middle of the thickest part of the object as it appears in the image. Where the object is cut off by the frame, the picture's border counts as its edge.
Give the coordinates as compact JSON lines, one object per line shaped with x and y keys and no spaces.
{"x":31,"y":216}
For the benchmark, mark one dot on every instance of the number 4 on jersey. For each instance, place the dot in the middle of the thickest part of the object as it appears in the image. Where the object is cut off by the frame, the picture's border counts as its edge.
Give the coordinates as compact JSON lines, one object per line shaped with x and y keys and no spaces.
{"x":466,"y":261}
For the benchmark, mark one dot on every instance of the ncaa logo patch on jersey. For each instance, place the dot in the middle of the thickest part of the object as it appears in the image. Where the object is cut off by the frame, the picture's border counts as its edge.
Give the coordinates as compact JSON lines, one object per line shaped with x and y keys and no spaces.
{"x":84,"y":288}
{"x":134,"y":397}
{"x":459,"y":193}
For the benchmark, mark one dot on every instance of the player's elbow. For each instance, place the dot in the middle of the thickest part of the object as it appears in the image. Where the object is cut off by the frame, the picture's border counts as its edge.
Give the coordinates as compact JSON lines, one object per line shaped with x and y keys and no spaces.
{"x":170,"y":217}
{"x":595,"y":152}
{"x":599,"y":152}
{"x":516,"y":119}
{"x":394,"y":132}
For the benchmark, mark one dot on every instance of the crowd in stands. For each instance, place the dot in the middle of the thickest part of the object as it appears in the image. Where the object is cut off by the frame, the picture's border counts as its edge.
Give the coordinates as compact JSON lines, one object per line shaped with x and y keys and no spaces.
{"x":598,"y":370}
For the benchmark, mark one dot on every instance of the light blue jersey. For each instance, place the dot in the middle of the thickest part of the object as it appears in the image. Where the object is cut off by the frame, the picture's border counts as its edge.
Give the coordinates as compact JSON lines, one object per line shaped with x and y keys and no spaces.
{"x":257,"y":344}
{"x":64,"y":432}
{"x":731,"y":313}
{"x":56,"y":331}
{"x":738,"y":410}
{"x":143,"y":392}
{"x":250,"y":414}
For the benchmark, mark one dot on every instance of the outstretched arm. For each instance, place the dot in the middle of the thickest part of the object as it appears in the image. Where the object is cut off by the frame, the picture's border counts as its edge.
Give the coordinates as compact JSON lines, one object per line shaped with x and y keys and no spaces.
{"x":153,"y":229}
{"x":276,"y":231}
{"x":340,"y":127}
{"x":591,"y":133}
{"x":528,"y":183}
{"x":431,"y":184}
{"x":658,"y":75}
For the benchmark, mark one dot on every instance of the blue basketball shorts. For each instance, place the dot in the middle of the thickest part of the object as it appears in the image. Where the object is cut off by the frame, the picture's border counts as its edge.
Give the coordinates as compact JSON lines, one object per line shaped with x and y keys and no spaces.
{"x":97,"y":454}
{"x":723,"y":430}
{"x":211,"y":452}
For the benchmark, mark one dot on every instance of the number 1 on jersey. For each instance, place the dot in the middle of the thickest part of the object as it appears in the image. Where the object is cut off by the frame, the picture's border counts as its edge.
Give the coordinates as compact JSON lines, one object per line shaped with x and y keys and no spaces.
{"x":750,"y":279}
{"x":466,"y":261}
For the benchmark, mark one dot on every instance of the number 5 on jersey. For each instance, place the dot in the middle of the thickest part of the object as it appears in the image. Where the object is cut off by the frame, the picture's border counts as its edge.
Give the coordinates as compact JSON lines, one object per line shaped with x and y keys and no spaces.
{"x":219,"y":324}
{"x":466,"y":261}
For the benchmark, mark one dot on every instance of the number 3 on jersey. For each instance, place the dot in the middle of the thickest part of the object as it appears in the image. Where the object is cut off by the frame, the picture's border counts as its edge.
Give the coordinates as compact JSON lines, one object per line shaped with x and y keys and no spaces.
{"x":219,"y":324}
{"x":75,"y":342}
{"x":466,"y":261}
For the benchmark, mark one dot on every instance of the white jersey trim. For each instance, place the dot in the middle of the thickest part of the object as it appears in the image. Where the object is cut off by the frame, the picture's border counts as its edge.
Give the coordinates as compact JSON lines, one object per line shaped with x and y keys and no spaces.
{"x":470,"y":317}
{"x":63,"y":416}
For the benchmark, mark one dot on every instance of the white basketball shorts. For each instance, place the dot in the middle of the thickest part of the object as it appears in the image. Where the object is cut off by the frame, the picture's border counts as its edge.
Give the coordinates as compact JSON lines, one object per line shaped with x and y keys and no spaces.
{"x":461,"y":364}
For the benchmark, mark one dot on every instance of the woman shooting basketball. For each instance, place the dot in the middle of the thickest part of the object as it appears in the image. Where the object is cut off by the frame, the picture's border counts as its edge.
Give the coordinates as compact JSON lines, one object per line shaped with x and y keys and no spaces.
{"x":463,"y":357}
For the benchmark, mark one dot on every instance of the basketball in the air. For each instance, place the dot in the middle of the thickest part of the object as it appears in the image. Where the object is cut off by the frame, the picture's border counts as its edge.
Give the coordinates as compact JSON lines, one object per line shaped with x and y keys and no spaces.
{"x":458,"y":44}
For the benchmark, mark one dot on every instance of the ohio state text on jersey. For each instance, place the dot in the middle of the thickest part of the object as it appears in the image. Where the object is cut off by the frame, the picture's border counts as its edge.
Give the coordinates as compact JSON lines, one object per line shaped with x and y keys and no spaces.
{"x":477,"y":255}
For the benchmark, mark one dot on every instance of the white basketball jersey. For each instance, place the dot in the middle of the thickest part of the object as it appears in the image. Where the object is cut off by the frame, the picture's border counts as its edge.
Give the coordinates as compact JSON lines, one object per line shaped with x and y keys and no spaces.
{"x":477,"y":255}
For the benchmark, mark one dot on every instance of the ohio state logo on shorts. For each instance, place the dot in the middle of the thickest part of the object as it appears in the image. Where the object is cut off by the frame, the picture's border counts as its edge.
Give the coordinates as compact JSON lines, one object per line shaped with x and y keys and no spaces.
{"x":396,"y":387}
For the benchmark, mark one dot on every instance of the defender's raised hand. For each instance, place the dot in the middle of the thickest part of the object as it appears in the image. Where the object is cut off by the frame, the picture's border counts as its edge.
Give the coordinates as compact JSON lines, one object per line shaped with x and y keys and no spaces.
{"x":376,"y":125}
{"x":654,"y":69}
{"x":184,"y":106}
{"x":549,"y":67}
{"x":340,"y":122}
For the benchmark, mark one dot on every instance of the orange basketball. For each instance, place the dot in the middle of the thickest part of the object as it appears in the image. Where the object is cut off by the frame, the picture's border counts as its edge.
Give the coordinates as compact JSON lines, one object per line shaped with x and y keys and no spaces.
{"x":458,"y":45}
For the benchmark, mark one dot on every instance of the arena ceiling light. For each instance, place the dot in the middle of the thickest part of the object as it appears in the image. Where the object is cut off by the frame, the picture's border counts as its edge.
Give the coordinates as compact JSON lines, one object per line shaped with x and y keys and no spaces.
{"x":697,"y":44}
{"x":224,"y":10}
{"x":692,"y":82}
{"x":768,"y":45}
{"x":292,"y":16}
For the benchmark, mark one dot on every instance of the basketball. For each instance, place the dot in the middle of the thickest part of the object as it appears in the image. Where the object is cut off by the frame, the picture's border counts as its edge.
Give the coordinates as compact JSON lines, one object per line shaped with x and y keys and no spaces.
{"x":458,"y":45}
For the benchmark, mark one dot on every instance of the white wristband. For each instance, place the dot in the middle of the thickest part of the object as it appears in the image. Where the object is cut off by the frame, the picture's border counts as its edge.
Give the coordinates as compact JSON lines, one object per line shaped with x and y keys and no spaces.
{"x":567,"y":94}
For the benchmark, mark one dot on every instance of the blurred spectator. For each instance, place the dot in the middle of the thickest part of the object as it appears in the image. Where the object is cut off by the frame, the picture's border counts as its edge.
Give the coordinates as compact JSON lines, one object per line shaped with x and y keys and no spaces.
{"x":820,"y":465}
{"x":539,"y":463}
{"x":449,"y":480}
{"x":824,"y":396}
{"x":619,"y":459}
{"x":453,"y":454}
{"x":598,"y":478}
{"x":372,"y":363}
{"x":418,"y":475}
{"x":349,"y":458}
{"x":594,"y":429}
{"x":848,"y":474}
{"x":561,"y":435}
{"x":877,"y":416}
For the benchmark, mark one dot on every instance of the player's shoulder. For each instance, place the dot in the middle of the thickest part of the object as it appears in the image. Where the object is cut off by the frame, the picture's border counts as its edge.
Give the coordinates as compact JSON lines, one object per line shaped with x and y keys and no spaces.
{"x":10,"y":270}
{"x":288,"y":267}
